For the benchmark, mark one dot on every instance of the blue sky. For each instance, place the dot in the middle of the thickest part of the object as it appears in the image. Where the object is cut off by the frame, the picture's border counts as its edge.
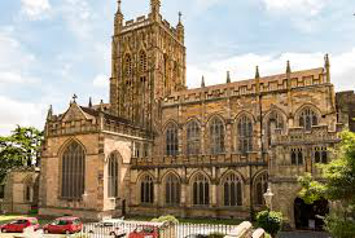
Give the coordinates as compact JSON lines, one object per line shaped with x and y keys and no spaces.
{"x":51,"y":49}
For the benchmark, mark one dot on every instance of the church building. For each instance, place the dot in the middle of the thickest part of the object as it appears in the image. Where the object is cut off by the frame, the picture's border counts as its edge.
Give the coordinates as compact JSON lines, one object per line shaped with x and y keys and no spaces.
{"x":160,"y":148}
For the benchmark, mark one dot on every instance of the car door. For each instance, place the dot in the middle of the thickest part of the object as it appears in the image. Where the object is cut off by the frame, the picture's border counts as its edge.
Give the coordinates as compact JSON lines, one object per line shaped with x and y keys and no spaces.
{"x":22,"y":225}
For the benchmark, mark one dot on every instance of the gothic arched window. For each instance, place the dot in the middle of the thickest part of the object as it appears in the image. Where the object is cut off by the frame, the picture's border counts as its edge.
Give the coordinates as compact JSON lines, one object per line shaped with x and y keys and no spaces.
{"x":278,"y":121}
{"x":308,"y":118}
{"x":128,"y":65}
{"x":321,"y":155}
{"x":172,"y":190}
{"x":73,"y":171}
{"x":217,"y":136}
{"x":297,"y":156}
{"x":193,"y":138}
{"x":147,"y":190}
{"x":232,"y":189}
{"x":142,"y":62}
{"x":113,"y":176}
{"x":201,"y":190}
{"x":172,"y":141}
{"x":260,"y":187}
{"x":245,"y":134}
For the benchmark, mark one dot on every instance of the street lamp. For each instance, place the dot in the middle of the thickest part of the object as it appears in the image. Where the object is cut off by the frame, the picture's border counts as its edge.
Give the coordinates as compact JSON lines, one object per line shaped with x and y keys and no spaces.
{"x":268,"y":197}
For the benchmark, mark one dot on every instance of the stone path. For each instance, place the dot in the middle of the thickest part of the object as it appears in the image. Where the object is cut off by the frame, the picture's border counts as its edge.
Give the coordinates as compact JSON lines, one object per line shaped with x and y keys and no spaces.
{"x":303,"y":234}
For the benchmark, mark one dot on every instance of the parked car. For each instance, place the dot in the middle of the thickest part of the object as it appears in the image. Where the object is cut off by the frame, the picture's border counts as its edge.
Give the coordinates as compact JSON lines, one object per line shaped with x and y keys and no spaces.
{"x":20,"y":224}
{"x":145,"y":231}
{"x":64,"y":225}
{"x":111,"y":227}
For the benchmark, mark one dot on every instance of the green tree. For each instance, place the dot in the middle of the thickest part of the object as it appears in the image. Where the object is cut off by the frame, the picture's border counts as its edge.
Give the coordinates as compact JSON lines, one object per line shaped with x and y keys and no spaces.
{"x":20,"y":149}
{"x":338,"y":186}
{"x":270,"y":221}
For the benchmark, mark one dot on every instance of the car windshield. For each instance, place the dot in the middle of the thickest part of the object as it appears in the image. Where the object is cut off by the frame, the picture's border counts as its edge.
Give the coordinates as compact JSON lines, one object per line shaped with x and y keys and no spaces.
{"x":19,"y":222}
{"x":61,"y":222}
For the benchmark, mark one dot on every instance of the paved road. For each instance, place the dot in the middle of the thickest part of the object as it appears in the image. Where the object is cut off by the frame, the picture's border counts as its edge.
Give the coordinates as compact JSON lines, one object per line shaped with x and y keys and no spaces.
{"x":303,"y":234}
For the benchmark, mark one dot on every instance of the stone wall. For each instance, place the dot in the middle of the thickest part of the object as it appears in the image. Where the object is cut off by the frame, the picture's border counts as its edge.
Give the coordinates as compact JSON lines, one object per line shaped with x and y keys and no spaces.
{"x":21,"y":191}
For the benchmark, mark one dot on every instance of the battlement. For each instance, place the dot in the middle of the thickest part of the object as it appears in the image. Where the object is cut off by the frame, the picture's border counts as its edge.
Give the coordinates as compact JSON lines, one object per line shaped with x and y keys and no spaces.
{"x":144,"y":21}
{"x":235,"y":159}
{"x":297,"y":135}
{"x":132,"y":24}
{"x":268,"y":84}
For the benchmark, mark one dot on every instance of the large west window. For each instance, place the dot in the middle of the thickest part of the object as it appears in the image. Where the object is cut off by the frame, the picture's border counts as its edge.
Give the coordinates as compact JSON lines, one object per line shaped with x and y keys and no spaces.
{"x":73,"y":171}
{"x":193,"y":138}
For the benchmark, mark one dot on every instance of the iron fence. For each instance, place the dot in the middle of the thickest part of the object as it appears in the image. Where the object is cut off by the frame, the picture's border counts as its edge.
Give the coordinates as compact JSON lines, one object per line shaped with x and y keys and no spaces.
{"x":132,"y":229}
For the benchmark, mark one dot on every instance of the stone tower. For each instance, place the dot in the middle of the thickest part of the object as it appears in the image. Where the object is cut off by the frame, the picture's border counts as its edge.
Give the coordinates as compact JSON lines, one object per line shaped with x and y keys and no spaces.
{"x":148,"y":64}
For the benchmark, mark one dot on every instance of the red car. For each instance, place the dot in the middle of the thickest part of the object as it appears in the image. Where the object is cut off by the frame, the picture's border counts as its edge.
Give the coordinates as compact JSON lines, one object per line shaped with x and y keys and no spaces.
{"x":145,"y":231}
{"x":64,"y":225}
{"x":20,"y":224}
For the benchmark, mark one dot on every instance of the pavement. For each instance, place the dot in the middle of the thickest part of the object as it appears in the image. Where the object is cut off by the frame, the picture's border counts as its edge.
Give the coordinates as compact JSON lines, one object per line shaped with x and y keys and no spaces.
{"x":304,"y":234}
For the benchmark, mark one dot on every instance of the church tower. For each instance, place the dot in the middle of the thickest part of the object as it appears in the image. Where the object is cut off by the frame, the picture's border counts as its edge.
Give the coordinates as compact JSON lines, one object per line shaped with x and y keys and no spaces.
{"x":148,"y":64}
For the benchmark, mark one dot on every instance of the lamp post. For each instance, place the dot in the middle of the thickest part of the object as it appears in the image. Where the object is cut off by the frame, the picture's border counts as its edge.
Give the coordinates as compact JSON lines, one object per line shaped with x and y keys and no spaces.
{"x":268,"y":197}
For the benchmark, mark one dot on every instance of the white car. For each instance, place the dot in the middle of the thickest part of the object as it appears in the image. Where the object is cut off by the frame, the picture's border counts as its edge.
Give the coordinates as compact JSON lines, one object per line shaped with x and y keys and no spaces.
{"x":111,"y":227}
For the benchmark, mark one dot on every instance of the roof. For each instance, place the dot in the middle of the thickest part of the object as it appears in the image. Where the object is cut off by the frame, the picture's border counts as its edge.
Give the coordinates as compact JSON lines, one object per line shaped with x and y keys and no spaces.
{"x":266,"y":79}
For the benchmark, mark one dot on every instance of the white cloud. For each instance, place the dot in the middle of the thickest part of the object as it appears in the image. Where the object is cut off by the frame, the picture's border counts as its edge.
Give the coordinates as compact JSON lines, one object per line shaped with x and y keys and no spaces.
{"x":35,"y":9}
{"x":101,"y":81}
{"x":21,"y":113}
{"x":308,"y":7}
{"x":15,"y":62}
{"x":78,"y":16}
{"x":243,"y":67}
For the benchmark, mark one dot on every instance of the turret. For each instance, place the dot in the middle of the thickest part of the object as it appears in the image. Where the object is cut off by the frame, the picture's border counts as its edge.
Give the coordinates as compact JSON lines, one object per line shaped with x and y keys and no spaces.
{"x":180,"y":29}
{"x":228,"y":77}
{"x":118,"y":19}
{"x":257,"y":79}
{"x":50,"y":113}
{"x":203,"y":82}
{"x":155,"y":10}
{"x":288,"y":75}
{"x":327,"y":68}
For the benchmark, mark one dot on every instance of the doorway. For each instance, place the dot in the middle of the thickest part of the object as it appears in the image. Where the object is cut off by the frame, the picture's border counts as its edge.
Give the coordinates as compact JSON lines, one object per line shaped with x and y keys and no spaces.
{"x":310,"y":216}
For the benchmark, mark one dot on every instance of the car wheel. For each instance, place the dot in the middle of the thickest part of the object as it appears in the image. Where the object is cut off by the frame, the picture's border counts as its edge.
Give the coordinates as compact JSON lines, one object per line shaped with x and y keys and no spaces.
{"x":3,"y":230}
{"x":91,"y":232}
{"x":112,"y":233}
{"x":67,"y":232}
{"x":45,"y":231}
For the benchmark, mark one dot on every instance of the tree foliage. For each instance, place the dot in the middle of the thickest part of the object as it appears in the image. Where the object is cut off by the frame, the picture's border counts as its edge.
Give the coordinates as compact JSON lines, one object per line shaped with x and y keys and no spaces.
{"x":338,"y":186}
{"x":20,"y":149}
{"x":270,"y":221}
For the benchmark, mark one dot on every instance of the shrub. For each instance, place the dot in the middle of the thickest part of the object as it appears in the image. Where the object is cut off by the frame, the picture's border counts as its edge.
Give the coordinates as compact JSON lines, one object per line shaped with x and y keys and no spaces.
{"x":270,"y":221}
{"x":168,"y":218}
{"x":340,"y":228}
{"x":216,"y":235}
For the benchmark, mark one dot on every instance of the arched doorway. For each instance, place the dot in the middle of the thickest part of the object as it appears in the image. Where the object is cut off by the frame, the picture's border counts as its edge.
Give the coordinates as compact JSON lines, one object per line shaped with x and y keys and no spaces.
{"x":309,"y":216}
